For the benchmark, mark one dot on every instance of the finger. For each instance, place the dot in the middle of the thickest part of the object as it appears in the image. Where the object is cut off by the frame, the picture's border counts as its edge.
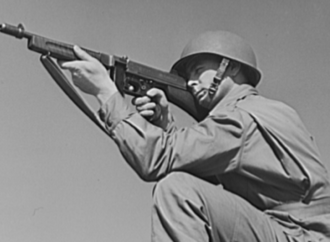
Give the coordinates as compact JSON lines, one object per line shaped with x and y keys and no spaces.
{"x":141,"y":100}
{"x":60,"y":62}
{"x":147,"y":113}
{"x":158,"y":96}
{"x":81,"y":54}
{"x":147,"y":106}
{"x":155,"y":92}
{"x":70,"y":65}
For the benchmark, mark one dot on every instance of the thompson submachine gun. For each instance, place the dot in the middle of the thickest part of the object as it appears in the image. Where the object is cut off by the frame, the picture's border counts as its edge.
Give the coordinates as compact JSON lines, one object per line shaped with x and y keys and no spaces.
{"x":130,"y":77}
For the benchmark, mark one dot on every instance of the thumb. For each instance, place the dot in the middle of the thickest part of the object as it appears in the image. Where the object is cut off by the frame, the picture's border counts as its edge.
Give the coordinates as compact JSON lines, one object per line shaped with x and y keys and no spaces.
{"x":158,"y":95}
{"x":81,"y":54}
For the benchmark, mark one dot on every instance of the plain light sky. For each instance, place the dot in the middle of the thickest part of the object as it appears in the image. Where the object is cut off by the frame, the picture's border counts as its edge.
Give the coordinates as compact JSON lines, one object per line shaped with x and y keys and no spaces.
{"x":61,"y":178}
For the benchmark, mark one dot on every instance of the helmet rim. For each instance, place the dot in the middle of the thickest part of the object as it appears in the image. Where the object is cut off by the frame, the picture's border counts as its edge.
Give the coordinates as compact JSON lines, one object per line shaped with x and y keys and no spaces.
{"x":223,"y":44}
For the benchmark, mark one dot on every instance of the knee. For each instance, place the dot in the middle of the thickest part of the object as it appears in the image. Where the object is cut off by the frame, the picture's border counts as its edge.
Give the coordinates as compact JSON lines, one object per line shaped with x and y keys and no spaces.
{"x":174,"y":184}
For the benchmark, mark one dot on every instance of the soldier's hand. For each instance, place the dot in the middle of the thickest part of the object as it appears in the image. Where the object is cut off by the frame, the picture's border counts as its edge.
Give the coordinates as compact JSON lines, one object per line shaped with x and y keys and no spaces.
{"x":90,"y":76}
{"x":154,"y":107}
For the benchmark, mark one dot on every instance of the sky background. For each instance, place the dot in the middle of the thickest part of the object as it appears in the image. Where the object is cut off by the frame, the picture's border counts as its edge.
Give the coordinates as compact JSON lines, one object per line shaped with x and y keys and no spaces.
{"x":61,"y":178}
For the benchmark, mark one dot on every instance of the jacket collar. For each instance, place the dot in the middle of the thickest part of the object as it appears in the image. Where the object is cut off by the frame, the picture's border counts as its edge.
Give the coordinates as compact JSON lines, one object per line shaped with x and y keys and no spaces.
{"x":237,"y":93}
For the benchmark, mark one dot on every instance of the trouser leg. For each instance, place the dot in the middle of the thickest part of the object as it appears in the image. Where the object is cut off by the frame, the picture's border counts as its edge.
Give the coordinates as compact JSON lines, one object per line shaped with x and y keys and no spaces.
{"x":187,"y":208}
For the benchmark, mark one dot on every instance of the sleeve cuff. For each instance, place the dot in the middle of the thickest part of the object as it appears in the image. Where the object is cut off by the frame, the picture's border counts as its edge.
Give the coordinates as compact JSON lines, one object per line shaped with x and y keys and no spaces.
{"x":114,"y":110}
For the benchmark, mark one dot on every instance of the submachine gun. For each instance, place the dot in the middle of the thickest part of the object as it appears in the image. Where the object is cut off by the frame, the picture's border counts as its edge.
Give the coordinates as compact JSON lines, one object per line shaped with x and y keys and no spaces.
{"x":130,"y":77}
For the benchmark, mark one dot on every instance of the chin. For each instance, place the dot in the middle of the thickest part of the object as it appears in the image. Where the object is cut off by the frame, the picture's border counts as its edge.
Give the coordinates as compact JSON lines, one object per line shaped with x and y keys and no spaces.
{"x":206,"y":102}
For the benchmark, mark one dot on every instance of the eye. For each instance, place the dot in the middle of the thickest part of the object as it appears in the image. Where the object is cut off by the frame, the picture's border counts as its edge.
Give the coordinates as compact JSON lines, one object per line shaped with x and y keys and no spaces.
{"x":198,"y":70}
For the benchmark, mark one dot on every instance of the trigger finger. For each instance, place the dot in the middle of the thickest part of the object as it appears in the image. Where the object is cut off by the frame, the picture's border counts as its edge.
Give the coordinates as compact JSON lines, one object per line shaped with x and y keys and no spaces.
{"x":155,"y":92}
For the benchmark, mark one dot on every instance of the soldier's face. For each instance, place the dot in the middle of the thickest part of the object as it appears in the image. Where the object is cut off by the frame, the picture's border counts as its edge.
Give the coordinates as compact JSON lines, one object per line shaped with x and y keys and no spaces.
{"x":201,"y":72}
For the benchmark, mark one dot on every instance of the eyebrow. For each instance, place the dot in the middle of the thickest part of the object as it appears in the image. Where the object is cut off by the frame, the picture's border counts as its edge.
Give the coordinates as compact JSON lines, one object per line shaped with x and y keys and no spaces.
{"x":193,"y":65}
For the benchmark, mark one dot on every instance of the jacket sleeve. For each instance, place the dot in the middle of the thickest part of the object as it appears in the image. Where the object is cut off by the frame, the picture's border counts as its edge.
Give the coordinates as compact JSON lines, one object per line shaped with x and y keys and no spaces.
{"x":208,"y":148}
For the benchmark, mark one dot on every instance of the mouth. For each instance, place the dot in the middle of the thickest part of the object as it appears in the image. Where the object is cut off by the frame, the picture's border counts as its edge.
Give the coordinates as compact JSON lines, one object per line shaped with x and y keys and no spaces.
{"x":199,"y":94}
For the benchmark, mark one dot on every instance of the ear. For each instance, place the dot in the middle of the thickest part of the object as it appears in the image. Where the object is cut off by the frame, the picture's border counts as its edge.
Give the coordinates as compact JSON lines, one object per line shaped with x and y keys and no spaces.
{"x":234,"y":68}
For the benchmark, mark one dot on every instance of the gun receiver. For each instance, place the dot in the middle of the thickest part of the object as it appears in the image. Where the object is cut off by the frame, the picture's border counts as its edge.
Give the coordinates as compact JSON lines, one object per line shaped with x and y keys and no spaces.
{"x":130,"y":77}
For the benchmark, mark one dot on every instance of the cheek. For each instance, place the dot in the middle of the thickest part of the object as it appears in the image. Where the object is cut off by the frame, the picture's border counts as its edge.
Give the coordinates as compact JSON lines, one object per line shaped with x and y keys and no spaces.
{"x":207,"y":77}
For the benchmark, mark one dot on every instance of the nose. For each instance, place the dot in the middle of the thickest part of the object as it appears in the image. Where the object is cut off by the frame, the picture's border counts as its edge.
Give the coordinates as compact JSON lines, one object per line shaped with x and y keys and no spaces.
{"x":192,"y":83}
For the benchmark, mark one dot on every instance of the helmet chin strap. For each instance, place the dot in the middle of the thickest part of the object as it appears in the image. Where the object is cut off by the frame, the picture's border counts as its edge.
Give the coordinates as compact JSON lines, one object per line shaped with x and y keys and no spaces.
{"x":218,"y":77}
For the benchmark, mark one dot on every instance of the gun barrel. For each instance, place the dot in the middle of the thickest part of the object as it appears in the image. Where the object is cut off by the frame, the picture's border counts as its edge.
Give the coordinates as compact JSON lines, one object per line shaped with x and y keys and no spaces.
{"x":17,"y":31}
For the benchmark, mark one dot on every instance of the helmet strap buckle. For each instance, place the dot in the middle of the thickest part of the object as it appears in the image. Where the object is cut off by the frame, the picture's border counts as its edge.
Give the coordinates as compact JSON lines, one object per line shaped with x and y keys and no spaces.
{"x":218,"y":76}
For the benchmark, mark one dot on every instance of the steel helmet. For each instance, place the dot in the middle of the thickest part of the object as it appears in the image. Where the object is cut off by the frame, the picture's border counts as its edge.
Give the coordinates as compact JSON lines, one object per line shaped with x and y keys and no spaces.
{"x":223,"y":44}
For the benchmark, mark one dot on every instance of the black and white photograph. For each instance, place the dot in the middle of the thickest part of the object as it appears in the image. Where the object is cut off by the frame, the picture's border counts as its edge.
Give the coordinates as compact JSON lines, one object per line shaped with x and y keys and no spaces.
{"x":165,"y":121}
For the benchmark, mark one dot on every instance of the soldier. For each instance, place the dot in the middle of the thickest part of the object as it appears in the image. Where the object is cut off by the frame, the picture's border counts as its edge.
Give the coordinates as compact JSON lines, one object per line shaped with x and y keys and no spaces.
{"x":248,"y":171}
